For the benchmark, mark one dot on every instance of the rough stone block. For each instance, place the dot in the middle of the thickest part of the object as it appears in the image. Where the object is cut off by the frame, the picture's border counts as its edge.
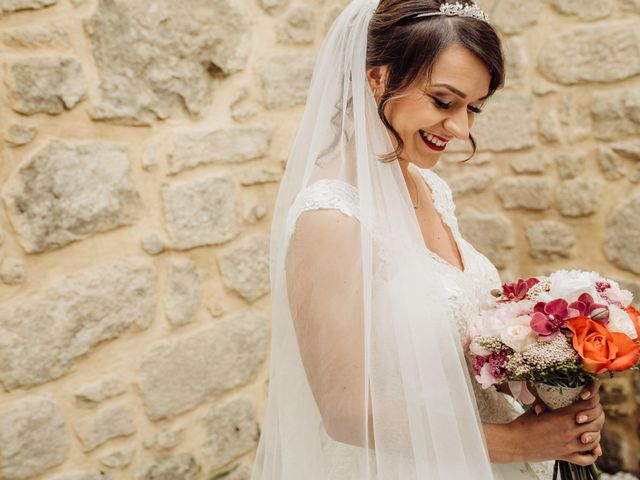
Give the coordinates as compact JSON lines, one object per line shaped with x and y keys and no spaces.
{"x":204,"y":211}
{"x":177,"y":375}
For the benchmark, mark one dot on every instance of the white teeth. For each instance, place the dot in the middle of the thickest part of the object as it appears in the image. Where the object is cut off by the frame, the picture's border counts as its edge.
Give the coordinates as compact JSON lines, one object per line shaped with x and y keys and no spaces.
{"x":437,"y":142}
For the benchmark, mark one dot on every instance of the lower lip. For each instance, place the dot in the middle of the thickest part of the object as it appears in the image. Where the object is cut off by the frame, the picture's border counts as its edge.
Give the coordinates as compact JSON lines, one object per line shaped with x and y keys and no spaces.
{"x":432,"y":146}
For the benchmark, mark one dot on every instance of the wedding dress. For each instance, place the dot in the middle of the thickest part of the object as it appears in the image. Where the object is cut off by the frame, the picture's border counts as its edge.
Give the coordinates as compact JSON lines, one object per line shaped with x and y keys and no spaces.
{"x":368,"y":377}
{"x":468,"y":293}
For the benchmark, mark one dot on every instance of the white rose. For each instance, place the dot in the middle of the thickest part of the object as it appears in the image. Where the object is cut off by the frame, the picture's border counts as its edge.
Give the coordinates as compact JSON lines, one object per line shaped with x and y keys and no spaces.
{"x":625,"y":297}
{"x":573,"y":283}
{"x":518,"y":334}
{"x":485,"y":378}
{"x":619,"y":321}
{"x":478,"y":350}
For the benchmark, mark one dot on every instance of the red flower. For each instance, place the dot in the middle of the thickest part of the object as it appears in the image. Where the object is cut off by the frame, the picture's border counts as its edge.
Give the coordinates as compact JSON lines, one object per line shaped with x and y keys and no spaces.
{"x":549,"y":317}
{"x":585,"y":307}
{"x":518,"y":291}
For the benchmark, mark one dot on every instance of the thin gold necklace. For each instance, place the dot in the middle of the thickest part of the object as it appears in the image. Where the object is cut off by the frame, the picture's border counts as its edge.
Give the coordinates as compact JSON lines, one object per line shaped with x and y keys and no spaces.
{"x":417,"y":194}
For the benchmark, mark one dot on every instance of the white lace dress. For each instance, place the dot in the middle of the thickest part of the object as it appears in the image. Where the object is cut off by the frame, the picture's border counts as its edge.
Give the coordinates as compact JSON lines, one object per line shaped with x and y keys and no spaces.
{"x":467,"y":290}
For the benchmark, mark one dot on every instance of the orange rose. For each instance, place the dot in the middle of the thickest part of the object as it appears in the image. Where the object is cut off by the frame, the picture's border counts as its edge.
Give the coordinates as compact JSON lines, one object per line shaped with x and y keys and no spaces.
{"x":635,"y":316}
{"x":600,"y":349}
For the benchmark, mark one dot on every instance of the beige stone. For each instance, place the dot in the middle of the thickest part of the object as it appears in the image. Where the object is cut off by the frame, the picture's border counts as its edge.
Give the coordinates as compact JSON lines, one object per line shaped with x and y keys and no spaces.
{"x":38,"y":36}
{"x":90,"y":394}
{"x":549,"y":240}
{"x":44,"y":84}
{"x":587,"y":10}
{"x":257,"y":176}
{"x":82,"y":475}
{"x":183,"y":467}
{"x":245,"y":267}
{"x":531,"y":193}
{"x":177,"y":375}
{"x":629,"y":149}
{"x":549,"y":126}
{"x":220,"y":146}
{"x":46,"y":332}
{"x":18,"y":135}
{"x":184,"y":291}
{"x":285,"y":79}
{"x":571,"y":163}
{"x":110,"y":422}
{"x":611,"y":165}
{"x":231,"y":430}
{"x":119,"y":457}
{"x":623,"y":235}
{"x":492,"y":234}
{"x":298,"y":27}
{"x":616,"y":114}
{"x":67,"y":192}
{"x":507,"y":123}
{"x":603,"y":53}
{"x":579,"y":197}
{"x":17,"y":5}
{"x":204,"y":211}
{"x":473,"y":182}
{"x":32,"y":437}
{"x":536,"y":162}
{"x":13,"y":271}
{"x":513,"y":16}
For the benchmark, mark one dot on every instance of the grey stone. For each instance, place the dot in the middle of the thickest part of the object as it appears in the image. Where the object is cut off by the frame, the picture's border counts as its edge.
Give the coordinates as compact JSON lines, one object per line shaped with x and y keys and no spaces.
{"x":12,"y":271}
{"x":44,"y":84}
{"x":203,"y":211}
{"x":45,"y":332}
{"x":584,"y":9}
{"x":68,"y":192}
{"x":220,"y":146}
{"x":34,"y":37}
{"x":155,"y":58}
{"x":579,"y":197}
{"x":245,"y":267}
{"x":179,"y":374}
{"x":474,"y":182}
{"x":602,"y":53}
{"x":536,"y":162}
{"x":18,"y":135}
{"x":571,"y":163}
{"x":513,"y":16}
{"x":623,"y":235}
{"x":110,"y":422}
{"x":119,"y":457}
{"x":184,"y":291}
{"x":165,"y":440}
{"x":516,"y":61}
{"x":91,"y":394}
{"x":531,"y":193}
{"x":231,"y":430}
{"x":549,"y":126}
{"x":285,"y":79}
{"x":153,"y":243}
{"x":550,"y":239}
{"x":298,"y":26}
{"x":629,"y":149}
{"x":507,"y":123}
{"x":17,"y":5}
{"x":32,"y":438}
{"x":616,"y":114}
{"x":180,"y":467}
{"x":611,"y":165}
{"x":491,"y":234}
{"x":82,"y":475}
{"x":261,"y":175}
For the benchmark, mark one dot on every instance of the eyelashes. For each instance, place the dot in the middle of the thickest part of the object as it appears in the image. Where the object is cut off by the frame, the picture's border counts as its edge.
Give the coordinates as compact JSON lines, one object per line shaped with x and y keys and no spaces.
{"x":447,"y":105}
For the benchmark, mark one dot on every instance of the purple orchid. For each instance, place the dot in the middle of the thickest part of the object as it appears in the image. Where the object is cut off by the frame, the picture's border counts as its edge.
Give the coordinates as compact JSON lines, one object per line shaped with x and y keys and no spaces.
{"x":585,"y":307}
{"x":549,"y":317}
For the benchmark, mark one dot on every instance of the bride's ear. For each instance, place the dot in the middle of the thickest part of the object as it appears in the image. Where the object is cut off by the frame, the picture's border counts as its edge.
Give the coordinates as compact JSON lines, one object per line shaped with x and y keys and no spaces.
{"x":377,"y":77}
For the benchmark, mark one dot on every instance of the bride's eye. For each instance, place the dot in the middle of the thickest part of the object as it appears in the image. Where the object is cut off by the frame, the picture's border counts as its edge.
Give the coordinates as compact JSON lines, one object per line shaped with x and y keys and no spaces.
{"x":441,"y":104}
{"x":473,"y":109}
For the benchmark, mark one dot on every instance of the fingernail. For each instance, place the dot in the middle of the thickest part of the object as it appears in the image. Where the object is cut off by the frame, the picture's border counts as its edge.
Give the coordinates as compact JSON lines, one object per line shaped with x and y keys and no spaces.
{"x":585,"y":394}
{"x":582,"y":418}
{"x":538,"y":409}
{"x":587,"y":439}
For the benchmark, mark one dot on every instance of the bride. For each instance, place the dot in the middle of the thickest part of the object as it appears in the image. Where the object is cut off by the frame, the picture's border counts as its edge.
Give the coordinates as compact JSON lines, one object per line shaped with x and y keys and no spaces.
{"x":372,"y":283}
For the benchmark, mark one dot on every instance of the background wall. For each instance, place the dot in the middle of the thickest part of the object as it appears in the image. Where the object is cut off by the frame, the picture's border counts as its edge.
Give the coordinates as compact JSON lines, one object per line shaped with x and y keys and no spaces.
{"x":142,"y":145}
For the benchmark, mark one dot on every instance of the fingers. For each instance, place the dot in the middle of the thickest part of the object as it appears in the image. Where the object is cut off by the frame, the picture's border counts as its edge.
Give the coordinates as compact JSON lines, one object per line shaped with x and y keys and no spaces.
{"x":539,"y":407}
{"x":591,"y":415}
{"x":590,"y":390}
{"x":583,"y":459}
{"x":588,"y":441}
{"x":598,"y":450}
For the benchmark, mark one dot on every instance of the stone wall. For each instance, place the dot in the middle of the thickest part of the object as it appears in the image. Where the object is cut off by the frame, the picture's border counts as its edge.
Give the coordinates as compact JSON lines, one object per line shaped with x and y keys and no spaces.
{"x":142,"y":145}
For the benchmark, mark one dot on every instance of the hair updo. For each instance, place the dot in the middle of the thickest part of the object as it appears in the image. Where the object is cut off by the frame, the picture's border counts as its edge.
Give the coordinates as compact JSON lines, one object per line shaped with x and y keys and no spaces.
{"x":410,"y":46}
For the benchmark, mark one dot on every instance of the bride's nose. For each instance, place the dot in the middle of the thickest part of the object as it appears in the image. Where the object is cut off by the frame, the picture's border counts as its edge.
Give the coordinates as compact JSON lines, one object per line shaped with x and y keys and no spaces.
{"x":458,"y":124}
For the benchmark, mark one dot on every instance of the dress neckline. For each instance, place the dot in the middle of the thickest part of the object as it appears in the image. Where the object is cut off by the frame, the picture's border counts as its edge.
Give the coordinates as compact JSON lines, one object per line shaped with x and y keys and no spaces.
{"x":428,"y":177}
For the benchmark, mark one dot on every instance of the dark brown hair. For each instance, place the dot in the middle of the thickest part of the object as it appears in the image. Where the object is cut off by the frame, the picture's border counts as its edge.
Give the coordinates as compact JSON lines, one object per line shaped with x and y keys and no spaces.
{"x":410,"y":46}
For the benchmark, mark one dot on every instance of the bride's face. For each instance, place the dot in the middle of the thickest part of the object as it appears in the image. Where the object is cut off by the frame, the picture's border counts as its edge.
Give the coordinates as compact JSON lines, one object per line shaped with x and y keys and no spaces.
{"x":428,"y":116}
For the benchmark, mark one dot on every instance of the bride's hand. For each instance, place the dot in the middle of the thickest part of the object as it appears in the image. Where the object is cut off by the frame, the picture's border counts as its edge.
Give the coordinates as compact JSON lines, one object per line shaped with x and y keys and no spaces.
{"x":557,"y":435}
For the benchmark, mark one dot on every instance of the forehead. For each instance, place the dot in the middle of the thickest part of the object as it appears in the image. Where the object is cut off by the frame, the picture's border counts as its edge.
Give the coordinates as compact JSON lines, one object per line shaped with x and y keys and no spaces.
{"x":458,"y":67}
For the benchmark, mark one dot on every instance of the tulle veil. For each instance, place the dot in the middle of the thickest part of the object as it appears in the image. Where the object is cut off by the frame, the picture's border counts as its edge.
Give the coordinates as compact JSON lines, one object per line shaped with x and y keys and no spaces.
{"x":367,"y":376}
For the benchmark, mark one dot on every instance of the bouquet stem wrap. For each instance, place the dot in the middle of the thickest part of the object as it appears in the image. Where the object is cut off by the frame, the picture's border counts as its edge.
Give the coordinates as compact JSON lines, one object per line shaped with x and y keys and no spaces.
{"x":555,"y":397}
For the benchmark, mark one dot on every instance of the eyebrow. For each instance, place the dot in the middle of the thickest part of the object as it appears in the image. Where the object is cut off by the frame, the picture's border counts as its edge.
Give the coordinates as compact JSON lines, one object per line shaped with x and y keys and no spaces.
{"x":456,"y":91}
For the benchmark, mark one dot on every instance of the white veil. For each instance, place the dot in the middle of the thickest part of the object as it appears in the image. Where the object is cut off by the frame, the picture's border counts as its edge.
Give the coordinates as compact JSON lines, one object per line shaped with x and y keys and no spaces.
{"x":367,"y":377}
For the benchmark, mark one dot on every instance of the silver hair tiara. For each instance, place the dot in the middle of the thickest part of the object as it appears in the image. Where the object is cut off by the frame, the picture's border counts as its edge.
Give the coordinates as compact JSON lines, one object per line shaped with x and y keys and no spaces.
{"x":458,"y":10}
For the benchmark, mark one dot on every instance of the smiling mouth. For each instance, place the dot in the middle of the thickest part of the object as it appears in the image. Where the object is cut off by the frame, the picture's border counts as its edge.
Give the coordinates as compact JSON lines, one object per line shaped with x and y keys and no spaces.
{"x":433,"y":142}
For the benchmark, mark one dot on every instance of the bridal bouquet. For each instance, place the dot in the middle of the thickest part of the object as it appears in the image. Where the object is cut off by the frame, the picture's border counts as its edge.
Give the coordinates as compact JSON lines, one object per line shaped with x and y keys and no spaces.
{"x":557,"y":333}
